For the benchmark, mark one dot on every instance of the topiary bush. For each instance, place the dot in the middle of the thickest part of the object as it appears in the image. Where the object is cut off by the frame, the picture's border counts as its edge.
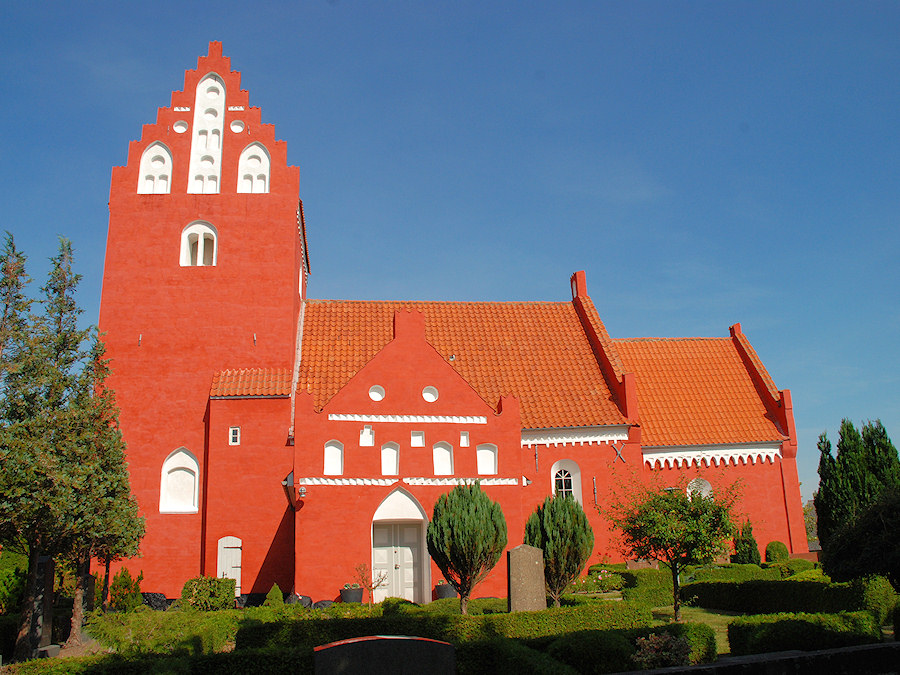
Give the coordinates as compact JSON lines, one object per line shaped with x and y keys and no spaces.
{"x":274,"y":598}
{"x":125,"y":592}
{"x":781,"y":632}
{"x":208,"y":593}
{"x":877,"y":596}
{"x":746,"y":550}
{"x":729,"y":572}
{"x":792,"y":566}
{"x":776,"y":551}
{"x":649,"y":587}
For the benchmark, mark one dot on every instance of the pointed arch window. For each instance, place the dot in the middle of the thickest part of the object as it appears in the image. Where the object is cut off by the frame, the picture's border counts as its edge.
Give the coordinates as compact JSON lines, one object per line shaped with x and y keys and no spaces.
{"x":199,"y":245}
{"x":179,"y":488}
{"x":156,"y":170}
{"x":206,"y":146}
{"x":253,"y":169}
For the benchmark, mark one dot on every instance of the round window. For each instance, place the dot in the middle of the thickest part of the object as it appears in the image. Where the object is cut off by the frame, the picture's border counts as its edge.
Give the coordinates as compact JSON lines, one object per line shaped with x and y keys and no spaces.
{"x":430,"y":394}
{"x":376,"y":392}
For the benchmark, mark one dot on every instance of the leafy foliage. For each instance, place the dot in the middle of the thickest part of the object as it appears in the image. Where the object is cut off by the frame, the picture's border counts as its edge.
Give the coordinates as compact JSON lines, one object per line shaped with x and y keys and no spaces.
{"x":466,"y":537}
{"x":561,"y":529}
{"x":746,"y":550}
{"x":675,"y":528}
{"x":661,"y":650}
{"x":208,"y":593}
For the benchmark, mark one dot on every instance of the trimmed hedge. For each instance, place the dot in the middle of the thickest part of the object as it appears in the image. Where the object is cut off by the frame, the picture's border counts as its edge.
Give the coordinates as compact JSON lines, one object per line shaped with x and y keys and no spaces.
{"x":788,"y":568}
{"x":297,"y":632}
{"x":208,"y":593}
{"x":873,"y":594}
{"x":808,"y":632}
{"x":506,"y":657}
{"x":729,"y":572}
{"x":649,"y":587}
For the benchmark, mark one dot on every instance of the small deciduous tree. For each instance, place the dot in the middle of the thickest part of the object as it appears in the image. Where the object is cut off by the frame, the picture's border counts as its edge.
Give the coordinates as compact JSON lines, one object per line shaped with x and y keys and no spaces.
{"x":561,"y":529}
{"x":674,"y":527}
{"x":746,"y":550}
{"x":466,"y":537}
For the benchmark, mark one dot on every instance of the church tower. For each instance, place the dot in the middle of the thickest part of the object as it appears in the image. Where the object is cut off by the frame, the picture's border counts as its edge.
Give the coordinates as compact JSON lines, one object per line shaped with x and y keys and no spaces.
{"x":205,"y":271}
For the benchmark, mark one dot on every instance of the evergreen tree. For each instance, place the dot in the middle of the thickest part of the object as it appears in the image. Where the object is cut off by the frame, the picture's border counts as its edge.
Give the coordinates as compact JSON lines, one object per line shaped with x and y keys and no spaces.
{"x":746,"y":550}
{"x":561,"y":529}
{"x":466,"y":537}
{"x":866,"y":464}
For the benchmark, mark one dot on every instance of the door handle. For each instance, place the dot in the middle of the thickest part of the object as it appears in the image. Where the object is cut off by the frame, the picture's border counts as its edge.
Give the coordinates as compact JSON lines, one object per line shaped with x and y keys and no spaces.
{"x":396,"y":566}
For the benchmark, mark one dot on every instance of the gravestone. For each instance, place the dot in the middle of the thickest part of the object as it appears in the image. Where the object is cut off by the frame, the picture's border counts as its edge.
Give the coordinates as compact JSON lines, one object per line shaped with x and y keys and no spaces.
{"x":385,"y":655}
{"x":526,"y":590}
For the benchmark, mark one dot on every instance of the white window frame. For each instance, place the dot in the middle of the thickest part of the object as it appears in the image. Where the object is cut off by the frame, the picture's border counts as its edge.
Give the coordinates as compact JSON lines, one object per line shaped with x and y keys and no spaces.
{"x":442,"y":455}
{"x":574,"y":471}
{"x":200,"y":232}
{"x":180,"y":460}
{"x":234,"y":436}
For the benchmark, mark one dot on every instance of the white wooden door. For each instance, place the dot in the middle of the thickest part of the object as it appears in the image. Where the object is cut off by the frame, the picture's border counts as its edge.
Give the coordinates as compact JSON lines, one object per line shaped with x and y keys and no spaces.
{"x":397,"y":553}
{"x":229,"y":561}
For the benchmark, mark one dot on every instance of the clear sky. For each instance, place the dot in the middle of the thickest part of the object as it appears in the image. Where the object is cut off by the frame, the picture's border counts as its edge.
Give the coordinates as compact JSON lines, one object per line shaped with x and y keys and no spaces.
{"x":706,"y":163}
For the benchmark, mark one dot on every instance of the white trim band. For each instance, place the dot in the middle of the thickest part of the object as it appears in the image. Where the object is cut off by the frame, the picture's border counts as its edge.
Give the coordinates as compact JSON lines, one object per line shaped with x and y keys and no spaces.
{"x":383,"y":482}
{"x":574,"y":435}
{"x":710,"y":455}
{"x":409,"y":419}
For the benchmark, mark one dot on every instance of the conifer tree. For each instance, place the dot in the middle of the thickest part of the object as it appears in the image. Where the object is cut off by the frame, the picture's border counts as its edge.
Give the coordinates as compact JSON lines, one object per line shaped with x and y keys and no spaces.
{"x":866,"y":464}
{"x":466,"y":537}
{"x":561,"y":529}
{"x":746,"y":550}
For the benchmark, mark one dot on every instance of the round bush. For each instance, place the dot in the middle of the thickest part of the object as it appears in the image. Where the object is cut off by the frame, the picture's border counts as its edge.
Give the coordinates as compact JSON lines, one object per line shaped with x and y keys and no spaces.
{"x":776,"y":551}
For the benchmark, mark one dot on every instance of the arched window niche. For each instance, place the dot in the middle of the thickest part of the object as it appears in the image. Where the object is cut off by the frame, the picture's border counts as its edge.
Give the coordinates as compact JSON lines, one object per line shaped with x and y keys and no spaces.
{"x":334,"y":458}
{"x":390,"y":459}
{"x":253,"y":169}
{"x":699,"y":486}
{"x":443,"y":459}
{"x":486,"y":458}
{"x":199,"y":245}
{"x":156,"y":170}
{"x":180,"y":486}
{"x":565,"y":476}
{"x":206,"y":146}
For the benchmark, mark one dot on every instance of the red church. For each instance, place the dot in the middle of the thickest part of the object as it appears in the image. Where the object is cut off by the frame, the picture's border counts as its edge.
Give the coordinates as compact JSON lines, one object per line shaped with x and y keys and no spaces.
{"x":276,"y":438}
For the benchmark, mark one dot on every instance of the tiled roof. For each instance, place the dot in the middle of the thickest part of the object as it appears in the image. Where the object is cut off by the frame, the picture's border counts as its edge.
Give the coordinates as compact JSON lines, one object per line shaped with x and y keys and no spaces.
{"x":536,"y":351}
{"x":252,"y":382}
{"x":695,"y":391}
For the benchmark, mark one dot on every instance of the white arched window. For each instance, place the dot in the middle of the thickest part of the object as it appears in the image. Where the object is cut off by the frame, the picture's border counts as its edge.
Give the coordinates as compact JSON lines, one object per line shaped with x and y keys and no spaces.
{"x":566,"y":478}
{"x":206,"y":146}
{"x":253,"y":169}
{"x":180,"y":485}
{"x":199,"y":245}
{"x":156,"y":170}
{"x":486,"y":457}
{"x":443,"y":459}
{"x":699,"y":486}
{"x":334,"y":458}
{"x":390,"y":459}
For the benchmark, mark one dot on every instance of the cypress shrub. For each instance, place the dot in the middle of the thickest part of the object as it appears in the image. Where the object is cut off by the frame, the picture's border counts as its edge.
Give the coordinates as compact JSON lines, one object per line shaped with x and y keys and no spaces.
{"x":746,"y":550}
{"x":274,"y":598}
{"x":781,"y":632}
{"x":776,"y":551}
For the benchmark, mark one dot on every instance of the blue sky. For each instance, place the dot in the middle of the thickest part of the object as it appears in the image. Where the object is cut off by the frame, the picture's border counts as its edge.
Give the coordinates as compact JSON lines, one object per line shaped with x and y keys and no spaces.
{"x":706,"y":163}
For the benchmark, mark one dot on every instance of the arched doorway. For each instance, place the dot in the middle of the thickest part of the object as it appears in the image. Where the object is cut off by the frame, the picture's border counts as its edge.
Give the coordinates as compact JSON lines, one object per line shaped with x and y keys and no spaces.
{"x":398,"y":548}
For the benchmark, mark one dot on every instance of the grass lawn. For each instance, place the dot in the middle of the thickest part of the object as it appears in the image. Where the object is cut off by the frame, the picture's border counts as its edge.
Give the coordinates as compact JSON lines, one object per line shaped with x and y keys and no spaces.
{"x":717,"y":619}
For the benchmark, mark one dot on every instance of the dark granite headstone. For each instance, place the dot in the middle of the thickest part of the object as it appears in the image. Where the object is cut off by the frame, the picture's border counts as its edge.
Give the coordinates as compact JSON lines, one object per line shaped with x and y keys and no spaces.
{"x":155,"y":601}
{"x":525,"y":581}
{"x":323,"y":604}
{"x":385,"y":654}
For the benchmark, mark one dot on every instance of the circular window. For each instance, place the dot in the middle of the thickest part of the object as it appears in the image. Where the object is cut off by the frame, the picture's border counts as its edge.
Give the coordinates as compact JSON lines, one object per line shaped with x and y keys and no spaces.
{"x":430,"y":394}
{"x":206,"y":161}
{"x":376,"y":392}
{"x":180,"y":126}
{"x":210,"y":114}
{"x":212,"y":92}
{"x":237,"y":126}
{"x":699,"y":486}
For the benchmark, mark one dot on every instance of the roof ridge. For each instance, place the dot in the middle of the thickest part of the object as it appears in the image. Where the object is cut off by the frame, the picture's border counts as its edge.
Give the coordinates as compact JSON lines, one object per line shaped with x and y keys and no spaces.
{"x":439,"y":302}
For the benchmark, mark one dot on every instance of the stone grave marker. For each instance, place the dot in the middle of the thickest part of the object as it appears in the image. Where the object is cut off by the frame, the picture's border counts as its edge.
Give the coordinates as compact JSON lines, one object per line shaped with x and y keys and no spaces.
{"x":526,"y":590}
{"x":385,"y":655}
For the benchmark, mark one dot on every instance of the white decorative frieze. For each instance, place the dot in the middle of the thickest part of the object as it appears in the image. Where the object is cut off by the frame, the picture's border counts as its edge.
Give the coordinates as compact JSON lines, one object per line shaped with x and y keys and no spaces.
{"x":409,"y":419}
{"x":710,"y":455}
{"x":450,"y":482}
{"x":182,"y":108}
{"x":345,"y":481}
{"x":574,"y":435}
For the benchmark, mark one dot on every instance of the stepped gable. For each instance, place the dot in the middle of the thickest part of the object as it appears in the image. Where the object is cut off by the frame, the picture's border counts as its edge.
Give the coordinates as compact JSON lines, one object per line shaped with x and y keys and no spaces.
{"x":535,"y":351}
{"x":695,"y":391}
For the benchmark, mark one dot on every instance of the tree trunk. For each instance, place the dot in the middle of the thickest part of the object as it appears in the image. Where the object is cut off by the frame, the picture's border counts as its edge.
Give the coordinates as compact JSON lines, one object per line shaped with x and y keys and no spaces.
{"x":676,"y":592}
{"x":82,"y":578}
{"x":104,"y":594}
{"x":26,"y":639}
{"x":463,"y":604}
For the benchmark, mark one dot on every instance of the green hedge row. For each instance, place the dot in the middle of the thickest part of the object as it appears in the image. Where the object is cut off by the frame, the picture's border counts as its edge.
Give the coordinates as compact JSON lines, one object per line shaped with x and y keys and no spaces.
{"x":649,"y":587}
{"x":454,"y":629}
{"x":873,"y":594}
{"x":780,"y":632}
{"x":730,"y":572}
{"x":502,"y":656}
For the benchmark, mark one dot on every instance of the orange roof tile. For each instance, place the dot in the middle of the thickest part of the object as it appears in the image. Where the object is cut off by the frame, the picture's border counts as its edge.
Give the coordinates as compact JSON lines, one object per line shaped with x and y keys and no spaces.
{"x":536,"y":351}
{"x":251,"y":382}
{"x":695,"y":391}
